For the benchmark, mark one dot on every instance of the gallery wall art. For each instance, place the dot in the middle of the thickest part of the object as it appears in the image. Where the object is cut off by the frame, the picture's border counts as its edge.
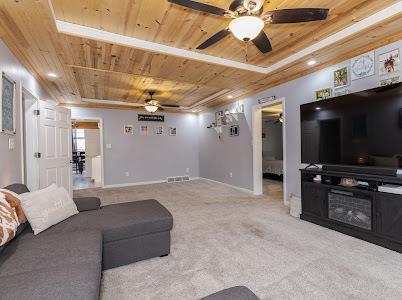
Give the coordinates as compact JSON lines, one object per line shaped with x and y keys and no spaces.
{"x":128,"y":129}
{"x":323,"y":94}
{"x":7,"y":107}
{"x":159,"y":130}
{"x":363,"y":66}
{"x":389,"y":62}
{"x":389,"y":81}
{"x":172,"y":131}
{"x":341,"y":77}
{"x":144,"y":130}
{"x":234,"y":130}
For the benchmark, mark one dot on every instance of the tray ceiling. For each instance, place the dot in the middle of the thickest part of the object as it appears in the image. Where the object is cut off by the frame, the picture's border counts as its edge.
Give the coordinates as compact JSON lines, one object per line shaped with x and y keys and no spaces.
{"x":95,"y":69}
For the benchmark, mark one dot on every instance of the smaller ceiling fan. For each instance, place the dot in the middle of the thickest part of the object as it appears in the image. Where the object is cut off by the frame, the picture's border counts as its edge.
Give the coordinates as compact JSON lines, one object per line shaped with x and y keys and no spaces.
{"x":151,"y":105}
{"x":249,"y":20}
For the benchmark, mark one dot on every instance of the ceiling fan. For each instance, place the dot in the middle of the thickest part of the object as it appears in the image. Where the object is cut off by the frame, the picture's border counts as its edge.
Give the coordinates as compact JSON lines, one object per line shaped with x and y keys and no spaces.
{"x":151,"y":105}
{"x":249,"y":20}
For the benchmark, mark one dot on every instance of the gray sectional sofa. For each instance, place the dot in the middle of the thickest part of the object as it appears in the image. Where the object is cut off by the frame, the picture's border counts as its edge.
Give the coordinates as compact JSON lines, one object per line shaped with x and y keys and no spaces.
{"x":66,"y":261}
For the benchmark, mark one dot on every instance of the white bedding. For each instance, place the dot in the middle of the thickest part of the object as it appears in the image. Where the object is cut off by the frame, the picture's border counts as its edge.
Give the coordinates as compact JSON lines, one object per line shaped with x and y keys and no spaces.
{"x":272,"y":167}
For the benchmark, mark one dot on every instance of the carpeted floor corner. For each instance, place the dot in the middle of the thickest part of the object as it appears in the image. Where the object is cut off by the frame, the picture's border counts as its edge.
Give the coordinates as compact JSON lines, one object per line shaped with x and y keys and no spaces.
{"x":224,"y":237}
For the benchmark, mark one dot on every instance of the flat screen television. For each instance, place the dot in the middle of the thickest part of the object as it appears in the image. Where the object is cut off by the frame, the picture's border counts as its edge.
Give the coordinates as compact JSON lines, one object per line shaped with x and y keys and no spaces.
{"x":360,"y":129}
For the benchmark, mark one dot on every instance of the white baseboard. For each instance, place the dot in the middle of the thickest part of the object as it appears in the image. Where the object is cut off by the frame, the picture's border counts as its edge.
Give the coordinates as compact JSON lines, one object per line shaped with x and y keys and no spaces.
{"x":109,"y":186}
{"x":229,"y":185}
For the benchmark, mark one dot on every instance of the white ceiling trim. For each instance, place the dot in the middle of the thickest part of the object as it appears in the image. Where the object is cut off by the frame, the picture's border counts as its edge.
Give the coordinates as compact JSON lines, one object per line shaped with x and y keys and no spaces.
{"x":113,"y":38}
{"x":122,"y":103}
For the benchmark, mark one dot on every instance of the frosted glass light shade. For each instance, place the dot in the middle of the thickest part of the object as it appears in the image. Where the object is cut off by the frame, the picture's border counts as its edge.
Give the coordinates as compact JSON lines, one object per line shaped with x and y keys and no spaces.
{"x":246,"y":28}
{"x":151,"y":108}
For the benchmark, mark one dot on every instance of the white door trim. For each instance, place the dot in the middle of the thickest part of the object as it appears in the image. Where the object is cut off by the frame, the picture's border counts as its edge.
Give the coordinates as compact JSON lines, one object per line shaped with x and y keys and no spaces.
{"x":100,"y":120}
{"x":22,"y":126}
{"x":257,"y":147}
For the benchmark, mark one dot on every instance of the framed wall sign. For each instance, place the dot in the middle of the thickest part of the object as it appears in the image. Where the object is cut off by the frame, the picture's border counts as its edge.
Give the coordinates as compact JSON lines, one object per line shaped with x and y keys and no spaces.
{"x":151,"y":118}
{"x":7,"y":107}
{"x":363,"y":66}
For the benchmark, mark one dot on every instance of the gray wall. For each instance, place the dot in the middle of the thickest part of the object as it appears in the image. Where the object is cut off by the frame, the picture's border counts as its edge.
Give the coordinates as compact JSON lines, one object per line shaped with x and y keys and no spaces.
{"x":146,"y":158}
{"x":10,"y":160}
{"x":272,"y":144}
{"x":217,"y":160}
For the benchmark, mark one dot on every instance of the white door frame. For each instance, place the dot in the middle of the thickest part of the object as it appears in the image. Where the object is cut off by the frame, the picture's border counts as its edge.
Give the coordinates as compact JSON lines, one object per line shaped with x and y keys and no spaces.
{"x":100,"y":120}
{"x":22,"y":126}
{"x":257,"y":147}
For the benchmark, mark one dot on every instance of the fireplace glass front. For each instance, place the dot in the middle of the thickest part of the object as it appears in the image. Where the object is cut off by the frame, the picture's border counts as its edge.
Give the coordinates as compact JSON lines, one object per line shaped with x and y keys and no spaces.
{"x":350,"y":208}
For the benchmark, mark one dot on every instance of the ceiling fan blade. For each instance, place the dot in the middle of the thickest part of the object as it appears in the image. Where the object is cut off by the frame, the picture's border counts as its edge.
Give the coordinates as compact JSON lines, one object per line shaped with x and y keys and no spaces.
{"x":262,"y":42}
{"x":200,"y":7}
{"x":214,"y":39}
{"x":296,"y":15}
{"x":170,"y":105}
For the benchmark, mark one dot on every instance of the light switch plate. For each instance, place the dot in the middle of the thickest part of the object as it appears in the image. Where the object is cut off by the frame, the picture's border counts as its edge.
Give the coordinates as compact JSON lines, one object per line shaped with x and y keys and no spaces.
{"x":108,"y":146}
{"x":11,"y":143}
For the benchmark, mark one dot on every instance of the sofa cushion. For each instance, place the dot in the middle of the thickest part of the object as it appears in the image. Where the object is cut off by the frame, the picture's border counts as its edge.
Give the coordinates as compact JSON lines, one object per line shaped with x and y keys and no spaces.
{"x":87,"y":203}
{"x":125,"y":220}
{"x":75,"y":281}
{"x":17,"y":188}
{"x":15,"y":201}
{"x":234,"y":293}
{"x":8,"y":221}
{"x":120,"y":221}
{"x":34,"y":253}
{"x":47,"y":207}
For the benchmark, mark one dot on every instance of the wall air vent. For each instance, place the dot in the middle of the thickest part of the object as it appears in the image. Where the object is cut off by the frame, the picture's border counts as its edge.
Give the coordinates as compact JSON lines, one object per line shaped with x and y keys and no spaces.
{"x":178,"y":179}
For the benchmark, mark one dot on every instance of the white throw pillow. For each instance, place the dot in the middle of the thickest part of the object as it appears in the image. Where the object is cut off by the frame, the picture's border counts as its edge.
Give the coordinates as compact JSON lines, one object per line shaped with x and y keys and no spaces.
{"x":47,"y":207}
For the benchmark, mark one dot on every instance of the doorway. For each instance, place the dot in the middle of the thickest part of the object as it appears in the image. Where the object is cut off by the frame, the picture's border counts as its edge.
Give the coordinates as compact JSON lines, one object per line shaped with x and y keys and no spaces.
{"x":272,"y":150}
{"x":87,"y":154}
{"x":273,"y":164}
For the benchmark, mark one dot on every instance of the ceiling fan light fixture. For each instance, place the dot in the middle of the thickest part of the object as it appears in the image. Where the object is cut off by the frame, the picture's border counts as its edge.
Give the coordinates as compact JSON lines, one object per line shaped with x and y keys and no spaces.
{"x":151,"y":108}
{"x":246,"y":28}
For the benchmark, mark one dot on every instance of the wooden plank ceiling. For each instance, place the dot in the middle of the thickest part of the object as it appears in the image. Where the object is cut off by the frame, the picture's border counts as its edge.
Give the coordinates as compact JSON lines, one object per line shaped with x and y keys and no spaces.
{"x":99,"y":70}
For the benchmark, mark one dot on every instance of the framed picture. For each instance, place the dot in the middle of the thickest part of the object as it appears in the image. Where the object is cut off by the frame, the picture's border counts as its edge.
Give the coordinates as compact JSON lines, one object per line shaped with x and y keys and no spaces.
{"x":220,"y":118}
{"x":234,"y":130}
{"x":323,"y":94}
{"x":159,"y":130}
{"x":172,"y":131}
{"x":343,"y":92}
{"x":128,"y":129}
{"x":389,"y":81}
{"x":144,"y":130}
{"x":389,"y":62}
{"x":7,"y":107}
{"x":341,"y":78}
{"x":363,"y":66}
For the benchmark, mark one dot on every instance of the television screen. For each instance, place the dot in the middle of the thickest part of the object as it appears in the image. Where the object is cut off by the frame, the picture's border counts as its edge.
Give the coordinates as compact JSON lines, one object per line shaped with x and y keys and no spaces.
{"x":363,"y":129}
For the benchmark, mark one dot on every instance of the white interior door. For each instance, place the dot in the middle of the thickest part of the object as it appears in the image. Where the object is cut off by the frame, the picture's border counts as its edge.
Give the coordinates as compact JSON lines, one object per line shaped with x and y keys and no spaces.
{"x":30,"y":139}
{"x":55,"y":146}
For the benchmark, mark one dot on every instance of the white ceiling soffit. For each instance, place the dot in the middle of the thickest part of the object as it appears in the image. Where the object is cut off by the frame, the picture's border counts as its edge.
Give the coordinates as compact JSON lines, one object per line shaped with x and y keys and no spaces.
{"x":122,"y":103}
{"x":113,"y":38}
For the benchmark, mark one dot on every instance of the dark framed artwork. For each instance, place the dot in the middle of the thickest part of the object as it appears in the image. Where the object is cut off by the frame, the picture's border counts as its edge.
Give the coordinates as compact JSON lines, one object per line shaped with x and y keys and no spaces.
{"x":234,"y":130}
{"x":7,"y":108}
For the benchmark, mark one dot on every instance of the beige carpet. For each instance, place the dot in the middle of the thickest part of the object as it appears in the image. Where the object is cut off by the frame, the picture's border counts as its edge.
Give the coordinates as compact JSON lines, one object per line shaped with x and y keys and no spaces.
{"x":223,"y":237}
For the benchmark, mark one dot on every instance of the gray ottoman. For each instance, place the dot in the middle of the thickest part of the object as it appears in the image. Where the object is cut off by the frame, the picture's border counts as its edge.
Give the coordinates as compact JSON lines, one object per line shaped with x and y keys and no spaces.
{"x":234,"y":293}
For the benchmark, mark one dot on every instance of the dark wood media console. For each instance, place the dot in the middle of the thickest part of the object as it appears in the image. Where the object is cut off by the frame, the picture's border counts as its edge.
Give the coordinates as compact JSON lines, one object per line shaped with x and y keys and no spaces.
{"x":362,"y":211}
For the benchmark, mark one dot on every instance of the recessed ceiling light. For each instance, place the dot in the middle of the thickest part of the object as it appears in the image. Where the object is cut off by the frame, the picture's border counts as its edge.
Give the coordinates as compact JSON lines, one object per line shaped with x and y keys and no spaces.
{"x":230,"y":97}
{"x":318,"y":108}
{"x":193,"y":111}
{"x":311,"y":62}
{"x":53,"y":75}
